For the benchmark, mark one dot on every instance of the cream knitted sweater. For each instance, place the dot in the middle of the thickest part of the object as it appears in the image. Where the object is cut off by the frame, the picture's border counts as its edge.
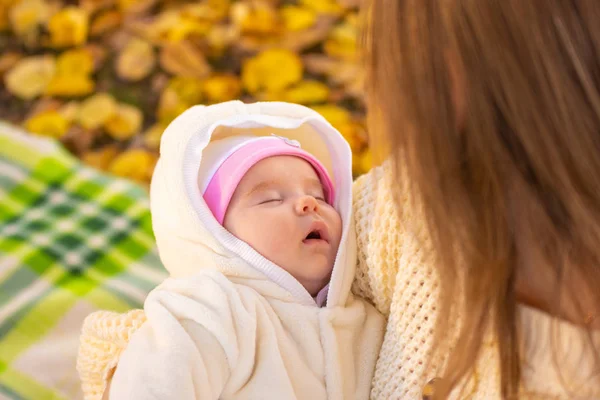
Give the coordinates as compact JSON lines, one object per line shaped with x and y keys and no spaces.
{"x":395,"y":274}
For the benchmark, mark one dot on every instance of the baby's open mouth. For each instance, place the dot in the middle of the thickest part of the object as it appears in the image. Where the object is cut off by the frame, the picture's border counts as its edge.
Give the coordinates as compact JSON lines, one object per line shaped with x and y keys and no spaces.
{"x":317,"y":233}
{"x":313,"y":235}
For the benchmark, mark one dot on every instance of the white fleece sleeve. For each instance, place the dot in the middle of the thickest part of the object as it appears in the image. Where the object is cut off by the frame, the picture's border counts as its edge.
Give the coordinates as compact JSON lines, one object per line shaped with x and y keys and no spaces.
{"x":188,"y":346}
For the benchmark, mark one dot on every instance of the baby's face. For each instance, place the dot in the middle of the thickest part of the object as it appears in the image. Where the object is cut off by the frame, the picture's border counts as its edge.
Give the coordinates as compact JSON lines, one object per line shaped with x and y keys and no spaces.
{"x":279,"y":209}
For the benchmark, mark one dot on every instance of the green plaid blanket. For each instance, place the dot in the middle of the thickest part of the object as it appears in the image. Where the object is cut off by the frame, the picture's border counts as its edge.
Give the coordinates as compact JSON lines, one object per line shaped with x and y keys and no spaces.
{"x":72,"y":241}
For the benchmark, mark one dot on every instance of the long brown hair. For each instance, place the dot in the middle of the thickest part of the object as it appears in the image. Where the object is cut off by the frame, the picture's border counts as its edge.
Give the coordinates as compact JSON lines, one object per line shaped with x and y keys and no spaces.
{"x":519,"y":163}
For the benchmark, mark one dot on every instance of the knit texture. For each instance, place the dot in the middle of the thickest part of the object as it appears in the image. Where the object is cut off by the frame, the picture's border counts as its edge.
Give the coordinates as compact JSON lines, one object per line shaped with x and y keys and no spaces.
{"x":103,"y":337}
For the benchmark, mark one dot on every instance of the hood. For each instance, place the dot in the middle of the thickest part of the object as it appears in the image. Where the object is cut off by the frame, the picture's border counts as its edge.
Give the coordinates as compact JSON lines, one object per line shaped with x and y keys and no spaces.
{"x":187,"y":233}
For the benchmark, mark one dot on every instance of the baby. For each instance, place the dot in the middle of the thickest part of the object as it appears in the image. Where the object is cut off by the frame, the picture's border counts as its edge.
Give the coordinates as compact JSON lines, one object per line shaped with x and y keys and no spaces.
{"x":256,"y":232}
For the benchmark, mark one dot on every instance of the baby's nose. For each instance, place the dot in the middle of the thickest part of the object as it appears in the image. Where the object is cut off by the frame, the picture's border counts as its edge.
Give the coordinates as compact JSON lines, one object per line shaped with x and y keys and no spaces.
{"x":307,"y":204}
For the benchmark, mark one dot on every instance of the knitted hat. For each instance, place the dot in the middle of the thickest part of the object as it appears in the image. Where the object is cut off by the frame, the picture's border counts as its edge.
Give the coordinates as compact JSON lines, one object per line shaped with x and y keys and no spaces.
{"x":225,"y":162}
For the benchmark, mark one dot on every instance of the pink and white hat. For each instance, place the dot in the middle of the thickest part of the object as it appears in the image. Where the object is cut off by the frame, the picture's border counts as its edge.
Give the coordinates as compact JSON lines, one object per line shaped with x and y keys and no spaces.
{"x":226,"y":161}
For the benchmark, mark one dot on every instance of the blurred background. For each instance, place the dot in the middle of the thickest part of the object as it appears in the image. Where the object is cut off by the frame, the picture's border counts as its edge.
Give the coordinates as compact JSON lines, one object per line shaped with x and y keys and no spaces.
{"x":105,"y":77}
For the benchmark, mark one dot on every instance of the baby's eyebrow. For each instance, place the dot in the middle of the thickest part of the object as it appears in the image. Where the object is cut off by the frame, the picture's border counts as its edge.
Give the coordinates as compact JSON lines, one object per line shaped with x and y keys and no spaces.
{"x":314,"y":183}
{"x":311,"y":183}
{"x":265,"y":185}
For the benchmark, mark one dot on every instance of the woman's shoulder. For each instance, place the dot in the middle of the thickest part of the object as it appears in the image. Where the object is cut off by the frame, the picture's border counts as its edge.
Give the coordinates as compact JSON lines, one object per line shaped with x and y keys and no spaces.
{"x":393,"y":247}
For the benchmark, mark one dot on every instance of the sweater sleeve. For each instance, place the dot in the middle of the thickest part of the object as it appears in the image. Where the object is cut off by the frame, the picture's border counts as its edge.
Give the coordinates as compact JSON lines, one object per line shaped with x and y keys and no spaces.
{"x":103,"y":337}
{"x":379,"y":232}
{"x":396,"y":273}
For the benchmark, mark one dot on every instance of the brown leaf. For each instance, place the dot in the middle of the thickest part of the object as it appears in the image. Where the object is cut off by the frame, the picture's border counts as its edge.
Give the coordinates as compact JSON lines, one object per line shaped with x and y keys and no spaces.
{"x":184,"y":59}
{"x":135,"y":6}
{"x":105,"y":22}
{"x":43,"y":105}
{"x":101,"y":158}
{"x":159,"y":82}
{"x":298,"y":41}
{"x":79,"y":140}
{"x":350,"y":3}
{"x":99,"y":54}
{"x":320,"y":64}
{"x":93,"y":6}
{"x":8,"y":60}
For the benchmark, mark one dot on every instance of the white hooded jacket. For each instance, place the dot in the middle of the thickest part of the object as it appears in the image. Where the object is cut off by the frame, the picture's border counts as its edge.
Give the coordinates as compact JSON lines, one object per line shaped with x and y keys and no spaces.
{"x":229,"y":324}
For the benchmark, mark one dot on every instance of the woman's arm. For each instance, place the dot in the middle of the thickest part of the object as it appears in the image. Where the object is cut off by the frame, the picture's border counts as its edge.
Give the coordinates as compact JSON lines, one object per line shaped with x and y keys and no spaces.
{"x":378,"y":231}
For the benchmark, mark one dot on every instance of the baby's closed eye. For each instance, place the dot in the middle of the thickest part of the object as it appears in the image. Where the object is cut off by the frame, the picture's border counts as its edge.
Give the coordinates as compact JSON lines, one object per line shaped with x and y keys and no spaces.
{"x":270,"y":200}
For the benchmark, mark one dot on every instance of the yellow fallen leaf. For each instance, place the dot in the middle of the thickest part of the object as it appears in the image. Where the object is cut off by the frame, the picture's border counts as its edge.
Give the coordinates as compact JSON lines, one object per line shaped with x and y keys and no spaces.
{"x":255,"y":18}
{"x":72,"y":74}
{"x":30,"y":76}
{"x":153,"y":135}
{"x":343,"y":42}
{"x":220,"y":37}
{"x":180,"y":94}
{"x":106,"y":21}
{"x":188,"y":28}
{"x":297,"y":18}
{"x":75,"y":62}
{"x":125,"y":122}
{"x":136,"y":60}
{"x":96,"y":110}
{"x":48,"y":123}
{"x":272,"y":70}
{"x":184,"y":59}
{"x":26,"y":15}
{"x":219,"y":88}
{"x":136,"y":164}
{"x":170,"y":106}
{"x":174,"y":26}
{"x":323,"y":6}
{"x":307,"y":92}
{"x":211,"y":11}
{"x":334,"y":114}
{"x":160,"y":28}
{"x":68,"y":27}
{"x":100,"y":159}
{"x":70,"y":85}
{"x":189,"y":90}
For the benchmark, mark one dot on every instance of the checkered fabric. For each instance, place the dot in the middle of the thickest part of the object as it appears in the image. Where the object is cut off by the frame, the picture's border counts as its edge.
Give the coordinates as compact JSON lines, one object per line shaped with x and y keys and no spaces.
{"x":72,"y":241}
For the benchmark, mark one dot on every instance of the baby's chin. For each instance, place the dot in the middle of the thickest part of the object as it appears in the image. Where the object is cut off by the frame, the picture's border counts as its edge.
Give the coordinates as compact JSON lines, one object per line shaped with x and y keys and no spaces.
{"x":318,"y":272}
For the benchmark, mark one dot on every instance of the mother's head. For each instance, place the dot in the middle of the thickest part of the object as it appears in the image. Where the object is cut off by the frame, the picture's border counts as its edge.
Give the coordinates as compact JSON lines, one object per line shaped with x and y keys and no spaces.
{"x":492,"y":110}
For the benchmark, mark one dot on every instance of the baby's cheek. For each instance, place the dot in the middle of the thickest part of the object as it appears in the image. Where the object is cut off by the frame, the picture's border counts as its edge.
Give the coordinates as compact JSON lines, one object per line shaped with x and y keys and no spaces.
{"x":277,"y":237}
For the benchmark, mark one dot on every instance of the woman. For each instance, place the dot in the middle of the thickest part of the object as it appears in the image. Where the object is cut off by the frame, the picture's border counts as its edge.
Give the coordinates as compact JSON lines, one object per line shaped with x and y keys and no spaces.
{"x":485,"y":227}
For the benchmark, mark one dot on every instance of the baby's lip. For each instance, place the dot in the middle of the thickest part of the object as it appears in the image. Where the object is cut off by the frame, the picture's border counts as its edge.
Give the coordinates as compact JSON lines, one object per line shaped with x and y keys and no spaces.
{"x":319,"y":227}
